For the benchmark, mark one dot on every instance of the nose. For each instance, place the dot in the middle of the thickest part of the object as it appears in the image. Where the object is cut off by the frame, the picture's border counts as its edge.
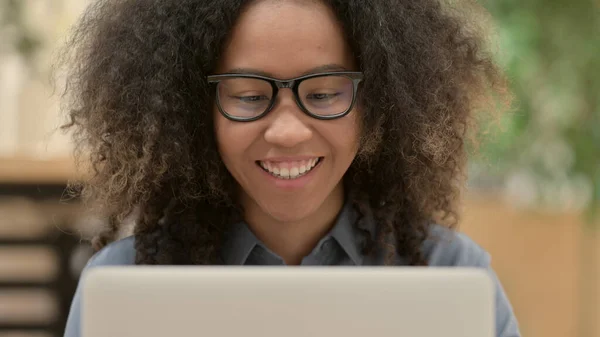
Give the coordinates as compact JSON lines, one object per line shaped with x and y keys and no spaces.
{"x":287,"y":127}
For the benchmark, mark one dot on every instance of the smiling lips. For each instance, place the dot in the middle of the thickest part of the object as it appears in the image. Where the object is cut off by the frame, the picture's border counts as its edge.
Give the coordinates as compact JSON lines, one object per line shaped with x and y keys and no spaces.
{"x":289,"y":169}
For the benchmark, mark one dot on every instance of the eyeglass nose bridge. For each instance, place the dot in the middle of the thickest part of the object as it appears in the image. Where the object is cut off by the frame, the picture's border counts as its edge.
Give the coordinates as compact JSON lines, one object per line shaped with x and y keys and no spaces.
{"x":285,"y":84}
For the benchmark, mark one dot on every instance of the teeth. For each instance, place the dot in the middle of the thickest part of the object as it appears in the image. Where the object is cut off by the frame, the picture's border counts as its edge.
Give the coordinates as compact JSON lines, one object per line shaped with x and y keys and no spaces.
{"x":284,"y":173}
{"x":289,"y":170}
{"x":294,"y":172}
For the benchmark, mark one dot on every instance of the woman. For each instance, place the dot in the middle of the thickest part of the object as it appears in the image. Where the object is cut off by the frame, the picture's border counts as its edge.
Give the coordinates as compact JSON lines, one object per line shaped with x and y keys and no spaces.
{"x":280,"y":132}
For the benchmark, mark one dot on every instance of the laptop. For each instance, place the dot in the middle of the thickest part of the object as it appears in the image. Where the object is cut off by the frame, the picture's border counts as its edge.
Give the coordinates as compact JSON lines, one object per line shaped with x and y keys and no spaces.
{"x":153,"y":301}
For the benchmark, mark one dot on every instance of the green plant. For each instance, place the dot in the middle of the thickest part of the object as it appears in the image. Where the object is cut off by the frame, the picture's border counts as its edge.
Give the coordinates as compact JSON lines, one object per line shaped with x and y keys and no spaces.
{"x":551,"y":50}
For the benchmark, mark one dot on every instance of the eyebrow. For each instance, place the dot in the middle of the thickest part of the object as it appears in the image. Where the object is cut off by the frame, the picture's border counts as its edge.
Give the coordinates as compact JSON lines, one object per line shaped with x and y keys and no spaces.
{"x":319,"y":69}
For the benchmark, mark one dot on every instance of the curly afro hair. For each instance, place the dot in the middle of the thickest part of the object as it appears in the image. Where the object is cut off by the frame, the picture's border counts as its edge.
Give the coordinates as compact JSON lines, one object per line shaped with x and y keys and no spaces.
{"x":141,"y":112}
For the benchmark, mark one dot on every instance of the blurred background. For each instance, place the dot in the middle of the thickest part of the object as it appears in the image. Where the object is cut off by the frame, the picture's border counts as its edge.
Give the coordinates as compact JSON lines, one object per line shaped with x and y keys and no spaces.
{"x":534,"y":188}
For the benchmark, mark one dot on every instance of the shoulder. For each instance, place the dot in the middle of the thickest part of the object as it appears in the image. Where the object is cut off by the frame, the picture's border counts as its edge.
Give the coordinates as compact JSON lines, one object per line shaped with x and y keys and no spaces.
{"x":446,"y":247}
{"x":118,"y":253}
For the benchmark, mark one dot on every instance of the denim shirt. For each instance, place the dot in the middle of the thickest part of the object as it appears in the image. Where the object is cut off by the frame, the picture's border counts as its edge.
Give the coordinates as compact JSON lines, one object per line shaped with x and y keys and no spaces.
{"x":444,"y":248}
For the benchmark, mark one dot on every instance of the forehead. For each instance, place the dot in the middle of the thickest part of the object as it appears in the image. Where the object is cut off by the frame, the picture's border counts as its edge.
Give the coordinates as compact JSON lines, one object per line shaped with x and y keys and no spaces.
{"x":286,"y":38}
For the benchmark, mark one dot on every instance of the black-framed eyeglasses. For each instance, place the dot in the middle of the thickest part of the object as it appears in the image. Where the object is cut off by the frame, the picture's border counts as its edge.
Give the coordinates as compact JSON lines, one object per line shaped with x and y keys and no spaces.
{"x":246,"y":97}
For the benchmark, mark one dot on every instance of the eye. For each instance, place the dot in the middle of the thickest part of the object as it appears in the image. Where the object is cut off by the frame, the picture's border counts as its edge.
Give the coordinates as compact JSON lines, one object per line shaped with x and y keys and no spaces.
{"x":251,"y":99}
{"x":322,"y":96}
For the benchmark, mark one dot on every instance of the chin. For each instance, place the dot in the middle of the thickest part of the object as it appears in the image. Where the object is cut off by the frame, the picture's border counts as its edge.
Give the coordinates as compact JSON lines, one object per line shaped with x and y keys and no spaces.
{"x":290,"y":212}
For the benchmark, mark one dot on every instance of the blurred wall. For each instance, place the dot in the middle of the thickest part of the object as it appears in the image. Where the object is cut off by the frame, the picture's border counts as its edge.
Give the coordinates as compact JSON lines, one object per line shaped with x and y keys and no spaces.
{"x":544,"y":260}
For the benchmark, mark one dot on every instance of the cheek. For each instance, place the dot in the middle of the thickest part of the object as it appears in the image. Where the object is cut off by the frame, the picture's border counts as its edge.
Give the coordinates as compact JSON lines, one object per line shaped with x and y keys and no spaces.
{"x":342,"y":138}
{"x":345,"y":136}
{"x":233,"y":138}
{"x":226,"y":143}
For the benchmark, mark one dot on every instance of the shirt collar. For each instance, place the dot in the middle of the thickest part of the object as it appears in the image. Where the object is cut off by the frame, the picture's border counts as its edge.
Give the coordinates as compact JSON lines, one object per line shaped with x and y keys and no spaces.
{"x":241,"y":241}
{"x":347,"y":235}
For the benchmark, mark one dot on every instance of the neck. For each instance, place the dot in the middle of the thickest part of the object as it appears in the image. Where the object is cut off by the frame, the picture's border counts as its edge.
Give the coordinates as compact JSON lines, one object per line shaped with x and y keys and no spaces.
{"x":293,"y":240}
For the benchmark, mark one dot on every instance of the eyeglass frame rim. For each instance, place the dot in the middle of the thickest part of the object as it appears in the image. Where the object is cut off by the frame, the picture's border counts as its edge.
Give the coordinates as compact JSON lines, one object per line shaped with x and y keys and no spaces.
{"x":294,"y":84}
